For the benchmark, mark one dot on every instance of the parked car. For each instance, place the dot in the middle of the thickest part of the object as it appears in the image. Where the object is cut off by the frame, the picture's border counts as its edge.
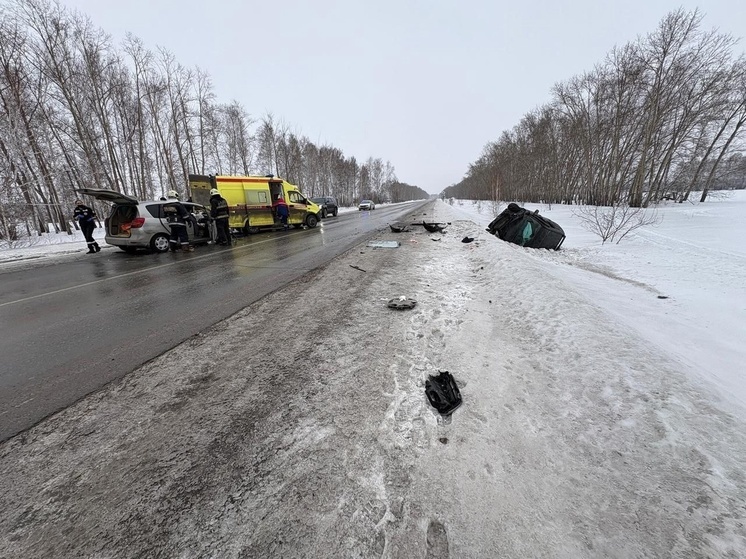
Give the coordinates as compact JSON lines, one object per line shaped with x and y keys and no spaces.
{"x":134,"y":224}
{"x":328,"y":205}
{"x":366,"y":205}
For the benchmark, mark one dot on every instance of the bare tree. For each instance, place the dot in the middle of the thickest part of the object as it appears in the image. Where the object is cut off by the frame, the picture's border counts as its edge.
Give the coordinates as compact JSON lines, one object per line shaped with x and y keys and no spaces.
{"x":613,"y":223}
{"x":656,"y":115}
{"x":77,"y":111}
{"x":237,"y":139}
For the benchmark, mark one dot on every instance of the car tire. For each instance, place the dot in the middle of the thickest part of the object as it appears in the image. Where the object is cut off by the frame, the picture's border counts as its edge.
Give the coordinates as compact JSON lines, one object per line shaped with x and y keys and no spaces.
{"x":323,"y":213}
{"x":159,"y":243}
{"x":335,"y":213}
{"x":311,"y":221}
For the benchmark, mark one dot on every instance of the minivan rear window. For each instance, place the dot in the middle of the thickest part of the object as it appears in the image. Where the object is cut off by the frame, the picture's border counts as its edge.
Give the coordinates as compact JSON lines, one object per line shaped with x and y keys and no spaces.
{"x":156,"y":210}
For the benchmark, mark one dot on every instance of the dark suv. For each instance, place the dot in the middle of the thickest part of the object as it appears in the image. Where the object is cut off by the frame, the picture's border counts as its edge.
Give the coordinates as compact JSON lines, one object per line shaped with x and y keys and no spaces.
{"x":328,"y":205}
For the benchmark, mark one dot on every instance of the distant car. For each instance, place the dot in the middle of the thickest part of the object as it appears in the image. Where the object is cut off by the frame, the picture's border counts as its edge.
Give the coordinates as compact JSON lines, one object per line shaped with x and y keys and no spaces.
{"x":366,"y":205}
{"x":328,"y":205}
{"x":133,"y":224}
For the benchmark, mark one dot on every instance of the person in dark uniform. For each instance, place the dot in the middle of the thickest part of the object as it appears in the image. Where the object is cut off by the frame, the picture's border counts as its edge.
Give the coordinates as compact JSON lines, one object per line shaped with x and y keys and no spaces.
{"x":282,"y":211}
{"x":86,"y":219}
{"x":219,"y":212}
{"x":176,"y":216}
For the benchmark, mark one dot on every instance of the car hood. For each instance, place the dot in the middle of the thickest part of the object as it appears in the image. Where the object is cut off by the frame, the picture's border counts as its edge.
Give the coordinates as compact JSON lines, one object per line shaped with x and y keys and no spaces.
{"x":108,"y":195}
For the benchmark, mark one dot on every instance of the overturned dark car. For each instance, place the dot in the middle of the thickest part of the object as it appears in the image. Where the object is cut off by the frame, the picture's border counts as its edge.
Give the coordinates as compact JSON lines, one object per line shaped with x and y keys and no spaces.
{"x":526,"y":228}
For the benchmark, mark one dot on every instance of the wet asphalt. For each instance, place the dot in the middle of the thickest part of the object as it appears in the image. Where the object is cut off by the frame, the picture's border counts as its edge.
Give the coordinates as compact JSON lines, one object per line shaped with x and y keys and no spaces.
{"x":74,"y":325}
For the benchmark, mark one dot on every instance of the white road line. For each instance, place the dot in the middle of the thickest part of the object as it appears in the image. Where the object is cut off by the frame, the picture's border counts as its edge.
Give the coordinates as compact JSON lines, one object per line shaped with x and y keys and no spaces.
{"x":63,"y":290}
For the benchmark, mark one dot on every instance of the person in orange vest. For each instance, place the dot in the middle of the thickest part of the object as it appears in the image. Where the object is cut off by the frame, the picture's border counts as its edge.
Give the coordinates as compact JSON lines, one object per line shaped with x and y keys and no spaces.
{"x":282,"y":211}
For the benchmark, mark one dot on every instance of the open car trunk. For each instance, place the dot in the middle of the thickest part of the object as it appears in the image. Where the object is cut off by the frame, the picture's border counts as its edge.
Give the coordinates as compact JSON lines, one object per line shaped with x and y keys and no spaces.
{"x":123,"y":210}
{"x":120,"y":215}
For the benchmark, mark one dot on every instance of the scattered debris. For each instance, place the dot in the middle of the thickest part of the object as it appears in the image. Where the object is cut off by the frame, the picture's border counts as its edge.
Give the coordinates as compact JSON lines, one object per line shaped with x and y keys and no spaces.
{"x":662,"y":296}
{"x":433,"y":227}
{"x":526,"y":228}
{"x":443,"y":393}
{"x":436,"y":238}
{"x":384,"y":244}
{"x":358,"y":268}
{"x":402,"y":302}
{"x":399,"y":228}
{"x":467,"y":239}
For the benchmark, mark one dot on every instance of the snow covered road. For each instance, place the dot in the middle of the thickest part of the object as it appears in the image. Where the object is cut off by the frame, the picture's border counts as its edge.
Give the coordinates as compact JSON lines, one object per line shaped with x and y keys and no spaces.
{"x":293,"y":431}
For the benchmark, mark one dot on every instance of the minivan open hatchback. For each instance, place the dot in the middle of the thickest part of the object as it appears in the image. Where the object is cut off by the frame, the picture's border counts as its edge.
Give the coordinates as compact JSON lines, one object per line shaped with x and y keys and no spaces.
{"x":133,"y":224}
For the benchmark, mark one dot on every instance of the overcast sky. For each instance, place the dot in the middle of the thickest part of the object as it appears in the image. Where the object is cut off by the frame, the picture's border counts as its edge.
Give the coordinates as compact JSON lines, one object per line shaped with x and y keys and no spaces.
{"x":423,"y":84}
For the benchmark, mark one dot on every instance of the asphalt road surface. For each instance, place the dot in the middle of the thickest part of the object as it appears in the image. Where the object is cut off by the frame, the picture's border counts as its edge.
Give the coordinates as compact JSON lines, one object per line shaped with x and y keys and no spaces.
{"x":71,"y":327}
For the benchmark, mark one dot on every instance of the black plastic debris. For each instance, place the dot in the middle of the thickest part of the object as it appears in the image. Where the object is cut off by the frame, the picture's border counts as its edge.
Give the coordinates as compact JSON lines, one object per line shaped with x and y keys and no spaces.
{"x":433,"y":227}
{"x":526,"y":228}
{"x":398,"y":228}
{"x":442,"y":393}
{"x":401,"y":303}
{"x":467,"y":239}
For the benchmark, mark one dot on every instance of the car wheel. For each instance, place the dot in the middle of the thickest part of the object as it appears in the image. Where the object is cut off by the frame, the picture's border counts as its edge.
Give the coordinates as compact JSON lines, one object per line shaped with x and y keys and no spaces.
{"x":323,"y":213}
{"x":335,"y":213}
{"x":311,"y":221}
{"x":159,"y":243}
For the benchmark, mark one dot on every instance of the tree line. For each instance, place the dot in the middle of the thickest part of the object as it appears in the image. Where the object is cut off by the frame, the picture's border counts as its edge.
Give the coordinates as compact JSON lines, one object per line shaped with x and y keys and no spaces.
{"x":659,"y":118}
{"x":77,"y":111}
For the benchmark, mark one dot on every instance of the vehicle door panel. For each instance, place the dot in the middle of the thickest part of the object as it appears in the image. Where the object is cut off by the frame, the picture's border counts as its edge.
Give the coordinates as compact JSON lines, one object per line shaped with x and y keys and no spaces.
{"x":298,"y":207}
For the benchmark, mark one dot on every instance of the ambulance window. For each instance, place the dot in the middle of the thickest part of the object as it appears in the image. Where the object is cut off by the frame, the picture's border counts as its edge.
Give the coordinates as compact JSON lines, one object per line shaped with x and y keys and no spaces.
{"x":256,"y":197}
{"x":295,"y":198}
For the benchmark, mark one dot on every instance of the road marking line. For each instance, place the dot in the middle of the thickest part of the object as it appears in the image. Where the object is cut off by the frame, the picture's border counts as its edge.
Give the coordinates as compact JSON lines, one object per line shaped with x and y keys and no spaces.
{"x":63,"y":290}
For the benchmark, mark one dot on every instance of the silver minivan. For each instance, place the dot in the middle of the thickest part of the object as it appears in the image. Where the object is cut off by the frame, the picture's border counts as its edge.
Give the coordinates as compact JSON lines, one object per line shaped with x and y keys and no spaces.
{"x":134,"y":224}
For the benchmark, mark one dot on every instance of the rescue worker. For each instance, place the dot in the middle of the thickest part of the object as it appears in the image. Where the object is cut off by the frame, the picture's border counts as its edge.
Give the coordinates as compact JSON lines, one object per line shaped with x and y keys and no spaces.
{"x":86,"y":219}
{"x":282,"y":211}
{"x":219,"y":212}
{"x":177,"y":216}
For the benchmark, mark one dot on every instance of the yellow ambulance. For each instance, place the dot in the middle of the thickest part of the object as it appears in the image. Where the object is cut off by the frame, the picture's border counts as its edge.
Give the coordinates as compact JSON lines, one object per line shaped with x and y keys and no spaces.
{"x":250,"y":201}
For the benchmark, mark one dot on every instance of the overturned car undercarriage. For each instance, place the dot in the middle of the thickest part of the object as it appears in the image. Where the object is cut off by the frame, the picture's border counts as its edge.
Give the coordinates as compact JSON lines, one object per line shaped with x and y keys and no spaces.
{"x":526,"y":228}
